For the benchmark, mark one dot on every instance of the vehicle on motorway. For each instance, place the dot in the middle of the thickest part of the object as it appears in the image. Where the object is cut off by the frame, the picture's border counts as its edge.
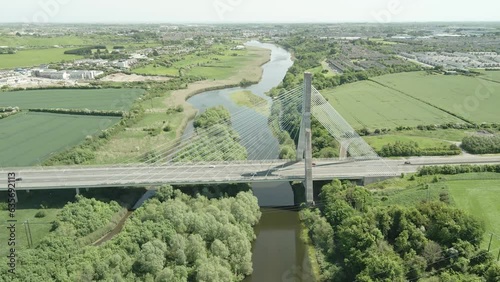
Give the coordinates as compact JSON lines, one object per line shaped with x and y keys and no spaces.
{"x":212,"y":166}
{"x":313,"y":164}
{"x":19,"y":179}
{"x":407,"y":163}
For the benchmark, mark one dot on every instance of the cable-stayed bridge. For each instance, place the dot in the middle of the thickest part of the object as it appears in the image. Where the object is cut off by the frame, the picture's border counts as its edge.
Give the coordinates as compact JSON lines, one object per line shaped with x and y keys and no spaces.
{"x":206,"y":156}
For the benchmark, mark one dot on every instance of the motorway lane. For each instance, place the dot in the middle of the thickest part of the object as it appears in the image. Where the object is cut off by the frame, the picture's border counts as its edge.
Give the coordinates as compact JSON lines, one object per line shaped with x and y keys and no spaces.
{"x":136,"y":175}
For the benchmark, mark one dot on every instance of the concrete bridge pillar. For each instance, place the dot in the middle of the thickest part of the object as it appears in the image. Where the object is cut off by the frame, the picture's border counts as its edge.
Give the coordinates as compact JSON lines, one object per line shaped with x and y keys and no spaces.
{"x":78,"y":191}
{"x":304,"y":147}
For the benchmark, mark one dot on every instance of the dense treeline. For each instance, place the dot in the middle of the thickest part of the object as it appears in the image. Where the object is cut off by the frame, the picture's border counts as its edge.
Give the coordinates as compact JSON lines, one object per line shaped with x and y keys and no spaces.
{"x":85,"y":50}
{"x":213,"y":116}
{"x":358,"y":241}
{"x":173,"y":237}
{"x":218,"y":142}
{"x":86,"y":112}
{"x":407,"y":149}
{"x":457,"y":169}
{"x":482,"y":144}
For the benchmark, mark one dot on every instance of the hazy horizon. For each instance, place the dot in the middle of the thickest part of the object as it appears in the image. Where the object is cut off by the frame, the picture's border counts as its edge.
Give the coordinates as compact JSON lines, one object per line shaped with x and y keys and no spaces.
{"x":247,"y":11}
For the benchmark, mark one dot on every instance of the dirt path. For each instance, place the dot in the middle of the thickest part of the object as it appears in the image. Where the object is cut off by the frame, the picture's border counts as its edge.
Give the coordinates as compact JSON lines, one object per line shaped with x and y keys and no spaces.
{"x":113,"y":232}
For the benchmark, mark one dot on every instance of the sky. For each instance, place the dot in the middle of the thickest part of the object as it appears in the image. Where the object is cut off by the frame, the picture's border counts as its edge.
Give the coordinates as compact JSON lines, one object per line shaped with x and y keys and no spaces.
{"x":231,"y":11}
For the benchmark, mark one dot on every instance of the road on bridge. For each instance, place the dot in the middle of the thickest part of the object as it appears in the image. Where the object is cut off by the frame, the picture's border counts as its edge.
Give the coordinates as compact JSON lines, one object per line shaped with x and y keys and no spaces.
{"x":224,"y":172}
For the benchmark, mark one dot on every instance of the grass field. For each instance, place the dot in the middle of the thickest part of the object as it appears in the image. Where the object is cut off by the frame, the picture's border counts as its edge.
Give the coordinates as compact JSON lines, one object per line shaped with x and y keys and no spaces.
{"x":28,"y":139}
{"x":29,"y":204}
{"x":43,"y":41}
{"x":246,"y":98}
{"x":377,"y":142}
{"x":368,"y":104}
{"x":474,"y":99}
{"x":221,"y":66}
{"x":416,"y":98}
{"x":455,"y":135}
{"x":480,"y":199}
{"x":492,"y":75}
{"x":92,"y":99}
{"x":35,"y":57}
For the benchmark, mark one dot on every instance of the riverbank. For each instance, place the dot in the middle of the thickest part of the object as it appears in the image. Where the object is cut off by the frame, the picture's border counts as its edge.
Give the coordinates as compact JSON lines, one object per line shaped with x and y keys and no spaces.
{"x":252,"y":72}
{"x":134,"y":143}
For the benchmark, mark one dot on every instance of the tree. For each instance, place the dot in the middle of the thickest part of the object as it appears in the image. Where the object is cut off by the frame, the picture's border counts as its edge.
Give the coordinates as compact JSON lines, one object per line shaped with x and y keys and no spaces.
{"x":151,"y":259}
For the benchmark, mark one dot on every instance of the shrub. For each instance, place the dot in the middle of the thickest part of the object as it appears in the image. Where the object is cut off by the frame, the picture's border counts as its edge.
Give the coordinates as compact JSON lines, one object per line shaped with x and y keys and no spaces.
{"x":40,"y":214}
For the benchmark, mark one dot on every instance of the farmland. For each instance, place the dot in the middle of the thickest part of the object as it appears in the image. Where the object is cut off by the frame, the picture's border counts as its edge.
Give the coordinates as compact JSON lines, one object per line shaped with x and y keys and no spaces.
{"x":94,"y":99}
{"x":35,"y":57}
{"x":28,"y":139}
{"x":416,"y":98}
{"x":221,"y":65}
{"x":479,"y":197}
{"x":492,"y":75}
{"x":368,"y":104}
{"x":471,"y":98}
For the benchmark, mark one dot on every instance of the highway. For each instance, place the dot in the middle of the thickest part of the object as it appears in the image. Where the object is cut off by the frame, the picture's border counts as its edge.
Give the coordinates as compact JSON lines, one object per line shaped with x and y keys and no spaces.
{"x":224,"y":172}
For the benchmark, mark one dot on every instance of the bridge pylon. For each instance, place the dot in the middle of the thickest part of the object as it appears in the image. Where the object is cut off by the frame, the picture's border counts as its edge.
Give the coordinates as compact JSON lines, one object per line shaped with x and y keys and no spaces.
{"x":304,"y":146}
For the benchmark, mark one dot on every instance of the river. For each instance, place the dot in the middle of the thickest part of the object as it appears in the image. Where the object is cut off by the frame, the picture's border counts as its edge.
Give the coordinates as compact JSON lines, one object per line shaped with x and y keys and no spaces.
{"x":278,"y":252}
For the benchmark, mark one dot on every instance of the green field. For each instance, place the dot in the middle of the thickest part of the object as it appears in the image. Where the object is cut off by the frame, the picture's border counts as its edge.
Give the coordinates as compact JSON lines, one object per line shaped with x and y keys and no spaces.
{"x":35,"y":57}
{"x":43,"y":41}
{"x":246,"y":98}
{"x":368,"y":104}
{"x":455,"y":135}
{"x":211,"y":66}
{"x":28,"y":139}
{"x":492,"y":75}
{"x":480,"y":199}
{"x":377,"y":142}
{"x":92,"y":99}
{"x":29,"y":204}
{"x":472,"y":98}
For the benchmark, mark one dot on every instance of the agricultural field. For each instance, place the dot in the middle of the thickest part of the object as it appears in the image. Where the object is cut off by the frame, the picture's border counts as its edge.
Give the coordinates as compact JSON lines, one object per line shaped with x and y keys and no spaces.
{"x":368,"y":104}
{"x":492,"y":75}
{"x":29,"y":138}
{"x":479,"y":197}
{"x":92,"y":99}
{"x":35,"y":57}
{"x":471,"y":98}
{"x":43,"y":41}
{"x":211,"y":66}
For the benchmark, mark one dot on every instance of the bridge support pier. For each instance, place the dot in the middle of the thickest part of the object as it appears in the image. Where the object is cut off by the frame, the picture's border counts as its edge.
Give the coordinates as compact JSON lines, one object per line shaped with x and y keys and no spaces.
{"x":304,"y":147}
{"x":78,"y":191}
